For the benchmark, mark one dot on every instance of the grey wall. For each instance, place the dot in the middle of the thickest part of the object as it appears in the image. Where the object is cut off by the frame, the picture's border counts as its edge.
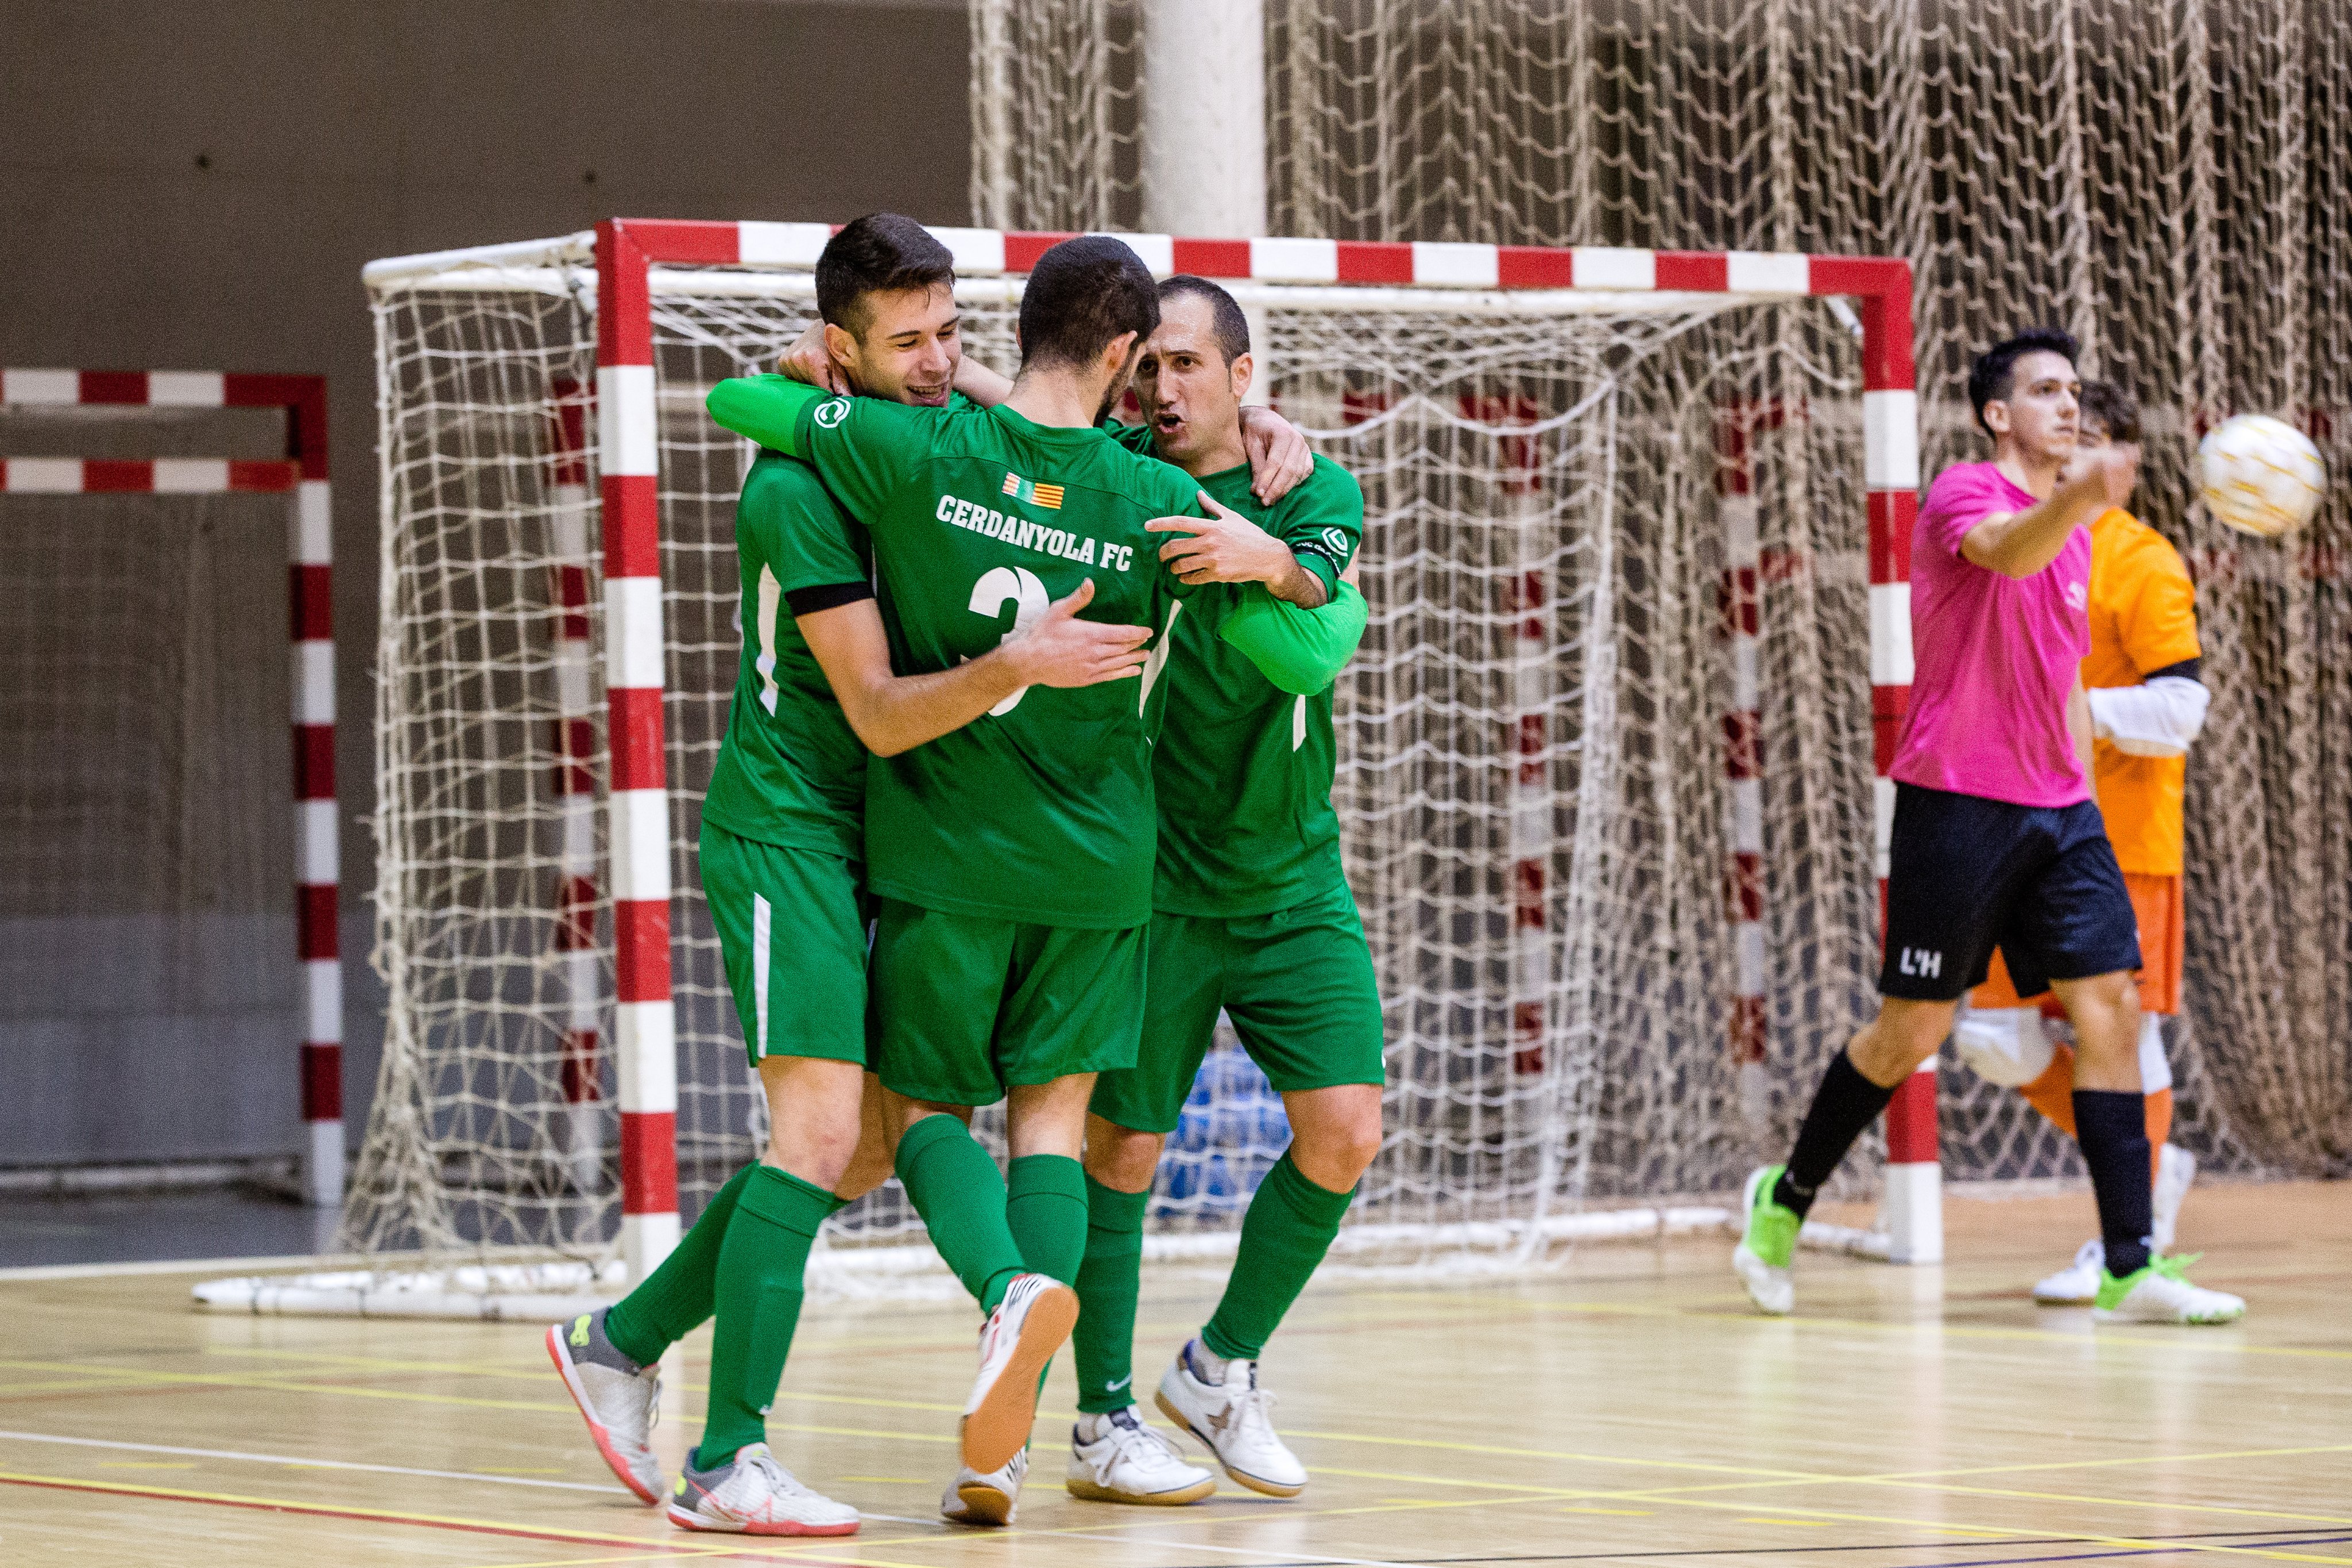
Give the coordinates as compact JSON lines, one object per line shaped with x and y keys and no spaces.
{"x":196,"y":185}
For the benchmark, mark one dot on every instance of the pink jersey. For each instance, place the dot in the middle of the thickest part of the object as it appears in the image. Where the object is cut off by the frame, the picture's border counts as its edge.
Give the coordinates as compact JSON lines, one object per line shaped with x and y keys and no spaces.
{"x":1994,"y":656}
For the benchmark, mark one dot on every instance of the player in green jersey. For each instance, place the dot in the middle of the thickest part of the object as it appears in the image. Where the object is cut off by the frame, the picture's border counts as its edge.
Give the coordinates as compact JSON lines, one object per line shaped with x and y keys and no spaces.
{"x":1251,"y":915}
{"x":1013,"y":859}
{"x":780,"y":851}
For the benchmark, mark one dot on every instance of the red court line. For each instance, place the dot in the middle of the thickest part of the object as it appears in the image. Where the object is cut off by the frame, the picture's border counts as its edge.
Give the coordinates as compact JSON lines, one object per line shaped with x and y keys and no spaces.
{"x":379,"y":1516}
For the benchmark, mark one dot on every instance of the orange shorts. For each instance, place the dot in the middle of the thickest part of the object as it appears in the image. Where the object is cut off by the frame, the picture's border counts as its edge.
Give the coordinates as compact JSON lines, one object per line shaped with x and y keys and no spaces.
{"x":2156,"y":904}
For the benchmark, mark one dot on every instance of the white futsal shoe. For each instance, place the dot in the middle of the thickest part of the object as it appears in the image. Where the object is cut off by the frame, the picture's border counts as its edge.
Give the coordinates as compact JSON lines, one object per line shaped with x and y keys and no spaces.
{"x":1029,"y":1325}
{"x":991,"y":1498}
{"x":2077,"y":1284}
{"x":2161,"y":1293}
{"x":1114,"y":1458}
{"x":1233,"y":1418}
{"x":753,"y":1495}
{"x":617,"y":1398}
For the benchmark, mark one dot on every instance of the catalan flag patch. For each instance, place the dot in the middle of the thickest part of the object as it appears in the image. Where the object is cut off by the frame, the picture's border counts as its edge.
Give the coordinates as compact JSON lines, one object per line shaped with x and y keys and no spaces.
{"x":1047,"y":496}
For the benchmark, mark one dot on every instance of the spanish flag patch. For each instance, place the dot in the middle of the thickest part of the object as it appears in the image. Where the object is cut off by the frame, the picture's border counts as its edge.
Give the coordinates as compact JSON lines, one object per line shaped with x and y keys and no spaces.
{"x":1047,"y":496}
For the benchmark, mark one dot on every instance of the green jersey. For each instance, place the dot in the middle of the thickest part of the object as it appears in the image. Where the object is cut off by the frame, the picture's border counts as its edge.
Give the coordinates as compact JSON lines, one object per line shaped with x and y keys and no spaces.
{"x":1042,"y":810}
{"x":791,"y":771}
{"x":1244,"y":769}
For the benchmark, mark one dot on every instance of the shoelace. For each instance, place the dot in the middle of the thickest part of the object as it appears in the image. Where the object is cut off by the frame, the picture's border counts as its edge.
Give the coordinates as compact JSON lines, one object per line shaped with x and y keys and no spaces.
{"x":1251,"y":1407}
{"x":781,"y":1483}
{"x":1139,"y":1440}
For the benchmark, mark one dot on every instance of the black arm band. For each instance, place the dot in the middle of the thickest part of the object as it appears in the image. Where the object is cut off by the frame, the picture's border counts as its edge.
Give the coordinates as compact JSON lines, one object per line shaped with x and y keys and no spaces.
{"x":826,"y":596}
{"x":2186,"y":670}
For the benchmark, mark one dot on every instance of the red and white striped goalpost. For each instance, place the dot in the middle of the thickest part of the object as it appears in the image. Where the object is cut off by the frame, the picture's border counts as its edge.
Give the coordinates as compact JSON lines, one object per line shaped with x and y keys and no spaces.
{"x":302,"y":475}
{"x":629,"y":450}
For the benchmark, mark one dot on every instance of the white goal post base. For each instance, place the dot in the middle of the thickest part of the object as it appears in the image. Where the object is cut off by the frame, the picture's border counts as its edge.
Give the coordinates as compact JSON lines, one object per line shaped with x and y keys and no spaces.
{"x":547,"y":1292}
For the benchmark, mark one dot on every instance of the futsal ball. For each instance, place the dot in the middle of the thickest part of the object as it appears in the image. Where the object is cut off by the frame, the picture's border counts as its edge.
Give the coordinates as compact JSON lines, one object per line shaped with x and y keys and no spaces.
{"x":2261,"y":475}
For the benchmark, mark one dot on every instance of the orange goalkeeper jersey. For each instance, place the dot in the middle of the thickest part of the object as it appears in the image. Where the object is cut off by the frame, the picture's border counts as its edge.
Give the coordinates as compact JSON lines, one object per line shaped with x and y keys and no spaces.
{"x":2143,"y":618}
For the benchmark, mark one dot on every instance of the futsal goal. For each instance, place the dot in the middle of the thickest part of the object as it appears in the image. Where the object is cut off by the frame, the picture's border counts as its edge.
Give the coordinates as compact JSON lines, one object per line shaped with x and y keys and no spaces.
{"x":1610,"y":755}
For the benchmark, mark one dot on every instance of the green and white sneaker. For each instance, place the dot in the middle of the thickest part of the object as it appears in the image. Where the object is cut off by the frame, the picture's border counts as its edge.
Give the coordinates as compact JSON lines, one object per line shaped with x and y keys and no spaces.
{"x":2161,"y":1293}
{"x":1766,"y":1244}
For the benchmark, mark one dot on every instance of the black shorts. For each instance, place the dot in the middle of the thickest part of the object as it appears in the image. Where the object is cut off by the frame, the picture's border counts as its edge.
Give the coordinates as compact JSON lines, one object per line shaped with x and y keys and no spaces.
{"x":1966,"y":874}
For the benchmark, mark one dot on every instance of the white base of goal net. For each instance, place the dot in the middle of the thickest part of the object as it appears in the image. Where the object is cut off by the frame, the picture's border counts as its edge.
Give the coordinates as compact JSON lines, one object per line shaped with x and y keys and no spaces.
{"x":1605,"y":776}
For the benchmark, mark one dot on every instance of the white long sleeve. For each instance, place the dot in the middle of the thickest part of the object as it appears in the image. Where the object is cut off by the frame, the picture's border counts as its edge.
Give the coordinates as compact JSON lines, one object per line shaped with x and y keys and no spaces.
{"x":2156,"y":718}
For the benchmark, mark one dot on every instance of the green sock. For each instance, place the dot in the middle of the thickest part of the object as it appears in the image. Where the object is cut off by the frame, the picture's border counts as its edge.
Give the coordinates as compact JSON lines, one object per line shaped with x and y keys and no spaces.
{"x":760,"y":1267}
{"x":1290,"y":1225}
{"x":957,"y":1188}
{"x":1108,"y":1281}
{"x":675,"y":1298}
{"x":1045,"y":1209}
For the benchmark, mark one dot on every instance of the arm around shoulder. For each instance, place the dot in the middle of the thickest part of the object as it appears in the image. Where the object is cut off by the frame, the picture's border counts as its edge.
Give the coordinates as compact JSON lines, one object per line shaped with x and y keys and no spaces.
{"x":766,"y":409}
{"x":1300,"y":650}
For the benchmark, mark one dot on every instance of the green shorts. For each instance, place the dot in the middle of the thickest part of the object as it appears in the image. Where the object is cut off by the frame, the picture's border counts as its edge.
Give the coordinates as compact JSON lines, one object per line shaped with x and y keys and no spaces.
{"x":792,"y":931}
{"x":966,"y":1006}
{"x":1297,"y":984}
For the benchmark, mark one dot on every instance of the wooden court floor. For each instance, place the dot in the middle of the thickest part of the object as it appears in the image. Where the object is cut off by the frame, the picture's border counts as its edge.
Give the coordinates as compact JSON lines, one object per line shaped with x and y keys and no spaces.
{"x":1627,"y":1409}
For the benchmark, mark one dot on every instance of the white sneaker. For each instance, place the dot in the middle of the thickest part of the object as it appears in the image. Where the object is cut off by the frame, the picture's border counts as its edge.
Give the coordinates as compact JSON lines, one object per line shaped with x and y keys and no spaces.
{"x":619,"y":1405}
{"x":2161,"y":1293}
{"x":1234,"y":1418}
{"x":753,"y":1495}
{"x":2077,"y":1284}
{"x":1029,"y":1325}
{"x":1117,"y":1459}
{"x":992,"y":1498}
{"x":2176,"y":1170}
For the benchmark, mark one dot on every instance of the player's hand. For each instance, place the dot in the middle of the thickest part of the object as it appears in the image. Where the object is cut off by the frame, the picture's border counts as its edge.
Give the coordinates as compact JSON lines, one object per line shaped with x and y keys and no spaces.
{"x":1224,"y":547}
{"x":806,"y":362}
{"x":1060,"y":650}
{"x":2105,"y":472}
{"x":1279,"y":457}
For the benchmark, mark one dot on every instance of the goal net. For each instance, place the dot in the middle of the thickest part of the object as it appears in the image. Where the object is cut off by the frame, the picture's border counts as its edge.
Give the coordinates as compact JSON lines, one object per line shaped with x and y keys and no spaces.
{"x":2147,"y":176}
{"x":1606,"y":752}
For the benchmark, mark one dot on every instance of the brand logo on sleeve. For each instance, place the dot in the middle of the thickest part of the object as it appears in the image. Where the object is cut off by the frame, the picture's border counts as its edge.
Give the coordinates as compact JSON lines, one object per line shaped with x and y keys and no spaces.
{"x":1047,"y":496}
{"x":2075,"y":597}
{"x":829,"y":414}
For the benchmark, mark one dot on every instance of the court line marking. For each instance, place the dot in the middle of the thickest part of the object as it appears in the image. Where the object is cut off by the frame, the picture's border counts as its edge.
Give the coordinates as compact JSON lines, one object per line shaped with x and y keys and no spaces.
{"x":2187,"y":1339}
{"x":1754,"y":1477}
{"x":311,"y":1464}
{"x":131,"y":1376}
{"x":427,"y":1521}
{"x":1802,"y":1515}
{"x":539,"y":1374}
{"x":2090,"y":1556}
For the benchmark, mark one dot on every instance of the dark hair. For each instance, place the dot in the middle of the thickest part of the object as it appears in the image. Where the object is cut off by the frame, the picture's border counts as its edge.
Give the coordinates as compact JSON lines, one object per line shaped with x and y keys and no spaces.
{"x":1226,"y":320}
{"x":1990,"y":378}
{"x":880,"y":253}
{"x":2113,"y":409}
{"x":1082,"y":294}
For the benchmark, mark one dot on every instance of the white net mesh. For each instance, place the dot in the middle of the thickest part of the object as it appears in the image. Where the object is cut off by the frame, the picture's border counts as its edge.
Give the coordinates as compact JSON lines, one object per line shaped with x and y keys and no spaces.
{"x":2162,"y":178}
{"x":1532,"y":754}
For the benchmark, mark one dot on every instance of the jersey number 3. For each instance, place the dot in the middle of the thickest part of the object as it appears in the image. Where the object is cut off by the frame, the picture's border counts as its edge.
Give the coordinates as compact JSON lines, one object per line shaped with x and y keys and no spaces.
{"x":996,"y":587}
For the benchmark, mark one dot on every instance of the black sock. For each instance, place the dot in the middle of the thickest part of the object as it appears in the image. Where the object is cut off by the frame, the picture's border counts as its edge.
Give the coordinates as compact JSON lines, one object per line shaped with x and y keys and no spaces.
{"x":1843,"y":1106}
{"x":2111,"y":1125}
